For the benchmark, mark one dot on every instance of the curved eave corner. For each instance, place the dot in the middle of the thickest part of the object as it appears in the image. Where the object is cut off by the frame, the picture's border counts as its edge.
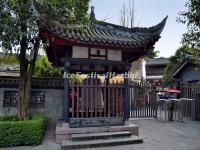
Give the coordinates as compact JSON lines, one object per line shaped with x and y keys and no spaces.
{"x":159,"y":27}
{"x":157,"y":30}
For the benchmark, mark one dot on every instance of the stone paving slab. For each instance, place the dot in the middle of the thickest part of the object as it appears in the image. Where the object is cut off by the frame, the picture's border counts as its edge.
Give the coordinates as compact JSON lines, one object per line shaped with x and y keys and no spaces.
{"x":165,"y":136}
{"x":157,"y":136}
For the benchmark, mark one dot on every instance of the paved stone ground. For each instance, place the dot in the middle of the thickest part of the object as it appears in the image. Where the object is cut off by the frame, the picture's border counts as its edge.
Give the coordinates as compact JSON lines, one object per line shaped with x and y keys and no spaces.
{"x":157,"y":136}
{"x":165,"y":136}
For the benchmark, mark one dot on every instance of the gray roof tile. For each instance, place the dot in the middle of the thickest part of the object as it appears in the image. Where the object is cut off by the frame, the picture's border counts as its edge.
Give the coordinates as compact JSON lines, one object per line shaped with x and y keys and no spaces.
{"x":157,"y":61}
{"x":103,"y":33}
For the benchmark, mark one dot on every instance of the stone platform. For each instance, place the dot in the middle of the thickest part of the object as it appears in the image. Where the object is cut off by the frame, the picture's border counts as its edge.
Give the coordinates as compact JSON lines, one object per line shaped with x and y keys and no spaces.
{"x":88,"y":137}
{"x":64,"y":132}
{"x":70,"y":144}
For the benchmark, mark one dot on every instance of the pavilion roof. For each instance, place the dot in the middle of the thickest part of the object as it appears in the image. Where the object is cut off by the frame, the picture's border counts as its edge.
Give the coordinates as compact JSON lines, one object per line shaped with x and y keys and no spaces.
{"x":100,"y":33}
{"x":105,"y":34}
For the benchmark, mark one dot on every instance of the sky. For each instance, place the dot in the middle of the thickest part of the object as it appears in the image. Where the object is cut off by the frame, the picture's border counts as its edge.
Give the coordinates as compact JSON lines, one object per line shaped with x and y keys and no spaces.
{"x":148,"y":13}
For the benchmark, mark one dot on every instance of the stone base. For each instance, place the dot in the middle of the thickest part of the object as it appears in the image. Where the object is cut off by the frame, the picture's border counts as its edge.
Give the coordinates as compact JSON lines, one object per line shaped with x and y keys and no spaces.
{"x":127,"y":122}
{"x":65,"y":125}
{"x":68,"y":144}
{"x":95,"y":122}
{"x":64,"y":132}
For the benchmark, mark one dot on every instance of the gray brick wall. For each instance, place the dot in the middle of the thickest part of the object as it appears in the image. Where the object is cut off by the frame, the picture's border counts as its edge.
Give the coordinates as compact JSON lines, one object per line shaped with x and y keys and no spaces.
{"x":53,"y":104}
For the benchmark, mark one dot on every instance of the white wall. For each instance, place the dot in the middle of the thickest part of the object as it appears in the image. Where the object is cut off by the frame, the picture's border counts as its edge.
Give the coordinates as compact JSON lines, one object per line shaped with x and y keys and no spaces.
{"x":79,"y":52}
{"x":114,"y":55}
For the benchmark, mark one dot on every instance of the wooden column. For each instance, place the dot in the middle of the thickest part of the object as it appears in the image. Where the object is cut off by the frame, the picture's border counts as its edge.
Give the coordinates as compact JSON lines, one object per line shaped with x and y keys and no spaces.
{"x":126,"y":94}
{"x":66,"y":93}
{"x":126,"y":100}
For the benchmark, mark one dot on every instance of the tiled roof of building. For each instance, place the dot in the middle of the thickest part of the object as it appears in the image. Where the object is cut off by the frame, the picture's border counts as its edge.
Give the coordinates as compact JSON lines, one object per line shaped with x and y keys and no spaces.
{"x":181,"y":65}
{"x":5,"y":67}
{"x":9,"y":70}
{"x":9,"y":74}
{"x":102,"y":33}
{"x":157,"y":61}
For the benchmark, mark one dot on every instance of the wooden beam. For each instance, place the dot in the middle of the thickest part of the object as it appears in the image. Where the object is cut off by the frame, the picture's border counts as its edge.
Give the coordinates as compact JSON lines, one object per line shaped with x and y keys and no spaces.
{"x":64,"y":42}
{"x":83,"y":61}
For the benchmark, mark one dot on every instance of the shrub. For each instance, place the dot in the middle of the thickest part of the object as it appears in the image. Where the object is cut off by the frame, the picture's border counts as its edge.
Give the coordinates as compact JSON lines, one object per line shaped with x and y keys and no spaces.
{"x":9,"y":118}
{"x":30,"y":132}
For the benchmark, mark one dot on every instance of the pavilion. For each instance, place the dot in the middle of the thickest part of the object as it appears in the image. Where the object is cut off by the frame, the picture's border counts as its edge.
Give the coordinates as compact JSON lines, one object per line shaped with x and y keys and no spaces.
{"x":98,"y":47}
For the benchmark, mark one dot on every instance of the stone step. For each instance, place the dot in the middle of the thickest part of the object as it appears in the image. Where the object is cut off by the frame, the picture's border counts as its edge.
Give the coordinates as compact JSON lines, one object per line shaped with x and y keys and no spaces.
{"x":65,"y":132}
{"x":68,"y":144}
{"x":103,"y":135}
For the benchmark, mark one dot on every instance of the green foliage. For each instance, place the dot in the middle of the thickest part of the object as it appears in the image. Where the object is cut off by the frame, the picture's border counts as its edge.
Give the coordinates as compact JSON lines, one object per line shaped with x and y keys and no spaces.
{"x":43,"y":68}
{"x":168,"y":71}
{"x":153,"y":53}
{"x":19,"y":32}
{"x":9,"y":59}
{"x":31,"y":132}
{"x":71,"y":11}
{"x":19,"y":23}
{"x":181,"y":54}
{"x":191,"y":17}
{"x":9,"y":118}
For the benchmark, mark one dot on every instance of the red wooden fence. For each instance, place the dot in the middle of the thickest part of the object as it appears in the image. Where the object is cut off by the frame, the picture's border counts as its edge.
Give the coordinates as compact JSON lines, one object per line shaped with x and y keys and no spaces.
{"x":91,"y":98}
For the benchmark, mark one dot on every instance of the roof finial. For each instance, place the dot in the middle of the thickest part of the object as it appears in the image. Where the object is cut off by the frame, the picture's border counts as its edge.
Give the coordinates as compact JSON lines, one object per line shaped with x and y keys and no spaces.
{"x":92,"y":14}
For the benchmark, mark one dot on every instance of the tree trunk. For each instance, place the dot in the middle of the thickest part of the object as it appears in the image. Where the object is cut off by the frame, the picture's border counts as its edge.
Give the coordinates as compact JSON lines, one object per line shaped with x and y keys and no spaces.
{"x":25,"y":93}
{"x":25,"y":86}
{"x":23,"y":99}
{"x":23,"y":102}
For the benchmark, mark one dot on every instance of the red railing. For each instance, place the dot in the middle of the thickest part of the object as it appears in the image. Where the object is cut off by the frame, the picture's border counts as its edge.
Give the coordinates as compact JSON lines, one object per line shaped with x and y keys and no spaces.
{"x":93,"y":98}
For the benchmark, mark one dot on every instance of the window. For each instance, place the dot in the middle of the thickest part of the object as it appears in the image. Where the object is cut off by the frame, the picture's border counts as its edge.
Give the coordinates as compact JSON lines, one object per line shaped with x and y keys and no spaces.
{"x":97,"y":53}
{"x":37,"y":98}
{"x":10,"y":98}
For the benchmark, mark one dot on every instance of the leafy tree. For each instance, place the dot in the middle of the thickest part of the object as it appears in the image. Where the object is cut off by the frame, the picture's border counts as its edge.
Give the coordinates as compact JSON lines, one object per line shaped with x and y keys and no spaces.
{"x":169,"y":69}
{"x":43,"y":68}
{"x":191,"y":17}
{"x":190,"y":40}
{"x":181,"y":54}
{"x":153,"y":53}
{"x":19,"y":32}
{"x":9,"y":59}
